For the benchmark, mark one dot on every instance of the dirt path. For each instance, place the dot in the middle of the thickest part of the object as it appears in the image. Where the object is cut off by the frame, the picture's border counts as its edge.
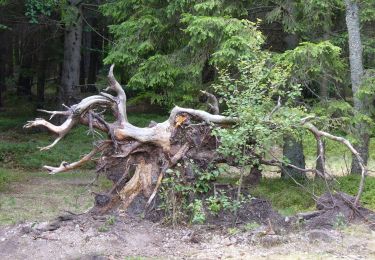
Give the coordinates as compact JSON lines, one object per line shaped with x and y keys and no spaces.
{"x":128,"y":237}
{"x":132,"y":237}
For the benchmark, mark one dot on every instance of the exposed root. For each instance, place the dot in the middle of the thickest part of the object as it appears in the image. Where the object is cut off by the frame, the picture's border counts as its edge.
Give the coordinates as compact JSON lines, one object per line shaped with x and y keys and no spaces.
{"x":64,"y":166}
{"x":141,"y":181}
{"x":185,"y":135}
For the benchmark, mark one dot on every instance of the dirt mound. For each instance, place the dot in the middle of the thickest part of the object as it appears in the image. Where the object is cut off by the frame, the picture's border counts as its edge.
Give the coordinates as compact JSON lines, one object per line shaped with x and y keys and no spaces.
{"x":256,"y":210}
{"x":335,"y":210}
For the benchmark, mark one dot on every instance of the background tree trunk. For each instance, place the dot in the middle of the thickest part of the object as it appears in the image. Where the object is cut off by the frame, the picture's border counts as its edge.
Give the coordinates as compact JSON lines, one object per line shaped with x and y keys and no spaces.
{"x":293,"y":152}
{"x":292,"y":148}
{"x":356,"y":74}
{"x":2,"y":68}
{"x":72,"y":60}
{"x":41,"y":79}
{"x":94,"y":58}
{"x":25,"y":79}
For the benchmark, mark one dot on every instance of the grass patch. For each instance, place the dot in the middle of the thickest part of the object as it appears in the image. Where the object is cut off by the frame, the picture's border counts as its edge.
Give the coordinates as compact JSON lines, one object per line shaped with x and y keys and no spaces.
{"x":8,"y":176}
{"x":37,"y":196}
{"x":349,"y":184}
{"x":19,"y":148}
{"x":285,"y":196}
{"x":288,"y":198}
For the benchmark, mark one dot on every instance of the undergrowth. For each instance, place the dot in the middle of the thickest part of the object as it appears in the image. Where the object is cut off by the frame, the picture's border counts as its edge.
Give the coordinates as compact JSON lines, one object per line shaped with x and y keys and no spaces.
{"x":288,"y":198}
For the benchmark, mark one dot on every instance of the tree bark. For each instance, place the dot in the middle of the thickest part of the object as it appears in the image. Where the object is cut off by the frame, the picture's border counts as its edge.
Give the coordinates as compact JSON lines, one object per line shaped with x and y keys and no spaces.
{"x":292,"y":148}
{"x":72,"y":59}
{"x":25,"y":79}
{"x":94,"y":59}
{"x":356,"y":74}
{"x":2,"y":68}
{"x":41,"y":79}
{"x":293,"y":152}
{"x":320,"y":161}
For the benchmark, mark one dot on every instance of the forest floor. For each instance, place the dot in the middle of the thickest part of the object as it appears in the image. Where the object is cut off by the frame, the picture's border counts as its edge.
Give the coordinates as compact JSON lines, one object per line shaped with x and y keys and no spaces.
{"x":33,"y":202}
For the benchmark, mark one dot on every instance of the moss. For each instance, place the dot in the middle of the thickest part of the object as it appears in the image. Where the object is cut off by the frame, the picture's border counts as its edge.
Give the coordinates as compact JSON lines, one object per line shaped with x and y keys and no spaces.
{"x":286,"y":196}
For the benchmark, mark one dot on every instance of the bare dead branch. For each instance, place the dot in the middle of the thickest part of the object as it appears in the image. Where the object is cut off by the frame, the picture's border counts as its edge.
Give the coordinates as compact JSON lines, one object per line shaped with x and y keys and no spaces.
{"x":64,"y":166}
{"x":344,"y":141}
{"x":61,"y":130}
{"x":203,"y":115}
{"x":121,"y":96}
{"x":274,"y":110}
{"x":54,"y":113}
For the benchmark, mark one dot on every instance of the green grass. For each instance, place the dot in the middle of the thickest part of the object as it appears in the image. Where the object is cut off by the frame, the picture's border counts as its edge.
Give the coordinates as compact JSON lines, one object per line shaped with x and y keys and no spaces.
{"x":8,"y":176}
{"x":19,"y":147}
{"x":37,"y":196}
{"x":338,"y":157}
{"x":288,"y":198}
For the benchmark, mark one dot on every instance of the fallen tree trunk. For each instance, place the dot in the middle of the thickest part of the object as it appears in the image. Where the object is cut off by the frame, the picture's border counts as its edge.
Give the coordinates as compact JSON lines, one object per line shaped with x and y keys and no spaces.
{"x":136,"y":159}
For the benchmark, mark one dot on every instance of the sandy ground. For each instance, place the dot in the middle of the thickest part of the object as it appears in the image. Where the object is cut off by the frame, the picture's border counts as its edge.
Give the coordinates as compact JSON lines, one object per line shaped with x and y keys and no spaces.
{"x":133,"y":238}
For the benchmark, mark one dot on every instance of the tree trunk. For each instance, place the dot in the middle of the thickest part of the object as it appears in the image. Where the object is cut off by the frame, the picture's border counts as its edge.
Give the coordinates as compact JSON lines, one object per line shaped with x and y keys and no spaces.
{"x":41,"y":79}
{"x":356,"y":74}
{"x":137,"y":159}
{"x":25,"y":79}
{"x":94,"y":59}
{"x":292,"y":148}
{"x":293,"y":152}
{"x":320,"y":162}
{"x":72,"y":61}
{"x":2,"y":68}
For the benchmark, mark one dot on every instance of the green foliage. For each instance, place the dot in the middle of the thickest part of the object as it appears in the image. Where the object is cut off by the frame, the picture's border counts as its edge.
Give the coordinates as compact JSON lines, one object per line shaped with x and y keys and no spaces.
{"x":111,"y":220}
{"x":221,"y":201}
{"x":286,"y":196}
{"x":103,"y":228}
{"x":350,"y":183}
{"x":311,"y":61}
{"x":251,"y":226}
{"x":34,"y":8}
{"x":204,"y":179}
{"x":251,"y":97}
{"x":183,"y":200}
{"x":174,"y":194}
{"x":310,"y":19}
{"x":199,"y":217}
{"x":289,"y":199}
{"x":340,"y":222}
{"x":166,"y":45}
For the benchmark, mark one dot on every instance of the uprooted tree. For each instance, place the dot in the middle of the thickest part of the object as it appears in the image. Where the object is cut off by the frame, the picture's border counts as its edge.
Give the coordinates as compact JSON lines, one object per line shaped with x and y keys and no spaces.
{"x":136,"y":159}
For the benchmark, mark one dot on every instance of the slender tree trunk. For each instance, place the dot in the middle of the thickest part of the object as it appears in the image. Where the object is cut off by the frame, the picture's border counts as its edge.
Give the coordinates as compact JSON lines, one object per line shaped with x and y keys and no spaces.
{"x":25,"y":79}
{"x":41,"y":79}
{"x":94,"y":59}
{"x":86,"y":51}
{"x":72,"y":60}
{"x":356,"y":74}
{"x":2,"y":68}
{"x":292,"y":148}
{"x":320,"y":162}
{"x":293,"y":152}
